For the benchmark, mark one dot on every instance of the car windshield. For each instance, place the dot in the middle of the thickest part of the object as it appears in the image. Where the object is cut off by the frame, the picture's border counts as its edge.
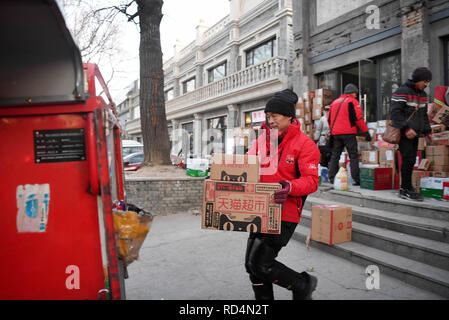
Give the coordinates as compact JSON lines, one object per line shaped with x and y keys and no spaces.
{"x":128,"y":150}
{"x":138,"y":158}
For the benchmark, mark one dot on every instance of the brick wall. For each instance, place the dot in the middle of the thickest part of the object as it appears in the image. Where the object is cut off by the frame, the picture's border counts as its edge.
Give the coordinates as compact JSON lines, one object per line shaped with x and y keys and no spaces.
{"x":165,"y":196}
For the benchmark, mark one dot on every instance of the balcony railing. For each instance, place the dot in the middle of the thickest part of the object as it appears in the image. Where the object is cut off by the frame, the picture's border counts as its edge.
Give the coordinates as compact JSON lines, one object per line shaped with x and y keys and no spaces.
{"x":266,"y":71}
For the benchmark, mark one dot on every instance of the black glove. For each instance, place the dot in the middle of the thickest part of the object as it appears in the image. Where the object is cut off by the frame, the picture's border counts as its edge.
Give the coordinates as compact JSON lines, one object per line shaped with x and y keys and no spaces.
{"x":367,"y":136}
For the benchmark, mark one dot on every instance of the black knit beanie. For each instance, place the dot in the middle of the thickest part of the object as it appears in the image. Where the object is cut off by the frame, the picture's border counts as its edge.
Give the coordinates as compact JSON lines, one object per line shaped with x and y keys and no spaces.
{"x":283,"y":103}
{"x":421,"y":74}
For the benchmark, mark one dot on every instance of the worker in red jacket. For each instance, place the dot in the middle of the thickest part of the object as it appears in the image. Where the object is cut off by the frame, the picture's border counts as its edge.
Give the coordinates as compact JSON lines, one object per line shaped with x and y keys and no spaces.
{"x":293,"y":164}
{"x":345,"y":116}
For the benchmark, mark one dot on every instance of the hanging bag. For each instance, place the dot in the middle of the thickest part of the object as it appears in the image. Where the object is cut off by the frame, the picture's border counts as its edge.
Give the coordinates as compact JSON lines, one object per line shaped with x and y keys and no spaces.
{"x":329,"y":138}
{"x":393,"y":135}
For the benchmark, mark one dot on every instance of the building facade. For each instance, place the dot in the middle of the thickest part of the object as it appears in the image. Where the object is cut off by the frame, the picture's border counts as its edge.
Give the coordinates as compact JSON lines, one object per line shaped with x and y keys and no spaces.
{"x":222,"y":80}
{"x":373,"y":44}
{"x":129,"y":114}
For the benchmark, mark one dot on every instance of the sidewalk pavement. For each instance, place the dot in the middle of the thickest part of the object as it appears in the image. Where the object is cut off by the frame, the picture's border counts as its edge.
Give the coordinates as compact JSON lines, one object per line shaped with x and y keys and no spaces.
{"x":180,"y":261}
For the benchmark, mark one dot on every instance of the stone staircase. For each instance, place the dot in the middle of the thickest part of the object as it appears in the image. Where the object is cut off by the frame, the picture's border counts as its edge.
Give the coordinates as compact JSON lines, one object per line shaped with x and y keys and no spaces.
{"x":407,"y":240}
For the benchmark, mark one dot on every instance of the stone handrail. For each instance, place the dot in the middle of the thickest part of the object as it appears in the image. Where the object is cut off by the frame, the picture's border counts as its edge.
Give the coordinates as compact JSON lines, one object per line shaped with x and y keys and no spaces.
{"x":212,"y":31}
{"x":268,"y":70}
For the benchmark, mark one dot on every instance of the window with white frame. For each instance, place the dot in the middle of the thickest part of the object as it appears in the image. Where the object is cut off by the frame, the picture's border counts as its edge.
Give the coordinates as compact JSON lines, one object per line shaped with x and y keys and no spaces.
{"x":188,"y":85}
{"x":216,"y":73}
{"x":169,"y":94}
{"x":261,"y":52}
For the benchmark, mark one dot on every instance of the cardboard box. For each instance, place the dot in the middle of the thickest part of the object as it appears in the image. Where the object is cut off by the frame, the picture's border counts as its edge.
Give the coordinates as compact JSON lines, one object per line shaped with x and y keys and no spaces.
{"x":316,"y":112}
{"x":439,"y":174}
{"x":424,"y":165}
{"x":432,"y":187}
{"x":387,"y":155}
{"x":300,"y":109}
{"x":442,"y":116}
{"x":441,"y":138}
{"x":376,"y":178}
{"x":417,"y":176}
{"x":308,"y":118}
{"x":436,"y":128}
{"x":308,"y":96}
{"x":439,"y":168}
{"x":383,"y":123}
{"x":439,"y":155}
{"x":432,"y":110}
{"x":245,"y":207}
{"x":331,"y":224}
{"x":370,"y":157}
{"x":326,"y":95}
{"x":421,"y":144}
{"x":235,"y":168}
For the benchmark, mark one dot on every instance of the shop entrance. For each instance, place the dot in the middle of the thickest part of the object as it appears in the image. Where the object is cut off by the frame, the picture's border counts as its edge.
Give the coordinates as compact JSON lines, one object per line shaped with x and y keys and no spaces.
{"x":376,"y":78}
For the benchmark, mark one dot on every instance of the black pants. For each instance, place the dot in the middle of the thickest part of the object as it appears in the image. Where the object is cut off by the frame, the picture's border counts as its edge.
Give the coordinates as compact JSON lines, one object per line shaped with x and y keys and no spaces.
{"x":408,"y":149}
{"x":325,"y":156}
{"x":262,"y":266}
{"x":340,"y":142}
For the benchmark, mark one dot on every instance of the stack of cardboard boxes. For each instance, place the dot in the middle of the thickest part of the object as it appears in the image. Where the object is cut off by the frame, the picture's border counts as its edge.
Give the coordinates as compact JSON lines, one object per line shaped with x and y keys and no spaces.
{"x":432,"y":171}
{"x":235,"y":200}
{"x":310,"y":108}
{"x":378,"y":170}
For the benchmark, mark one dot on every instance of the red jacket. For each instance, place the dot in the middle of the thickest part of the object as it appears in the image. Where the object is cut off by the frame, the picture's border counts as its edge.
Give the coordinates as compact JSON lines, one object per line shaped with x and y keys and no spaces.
{"x":296,"y":161}
{"x":349,"y":118}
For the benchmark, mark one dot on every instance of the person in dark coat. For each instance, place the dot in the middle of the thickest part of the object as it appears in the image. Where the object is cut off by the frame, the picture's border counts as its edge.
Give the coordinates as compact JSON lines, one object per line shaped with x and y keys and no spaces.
{"x":406,"y":99}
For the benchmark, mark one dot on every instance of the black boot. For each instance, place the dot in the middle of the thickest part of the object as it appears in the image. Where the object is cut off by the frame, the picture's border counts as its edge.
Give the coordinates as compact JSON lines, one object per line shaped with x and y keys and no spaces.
{"x":301,"y":284}
{"x":303,"y":290}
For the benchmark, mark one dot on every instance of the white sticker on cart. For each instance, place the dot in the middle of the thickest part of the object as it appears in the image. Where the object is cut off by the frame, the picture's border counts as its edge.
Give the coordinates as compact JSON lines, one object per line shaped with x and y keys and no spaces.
{"x":32,"y":207}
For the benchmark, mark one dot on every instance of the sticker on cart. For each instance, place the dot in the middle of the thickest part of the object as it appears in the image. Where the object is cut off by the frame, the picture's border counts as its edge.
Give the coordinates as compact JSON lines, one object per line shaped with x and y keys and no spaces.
{"x":32,"y":207}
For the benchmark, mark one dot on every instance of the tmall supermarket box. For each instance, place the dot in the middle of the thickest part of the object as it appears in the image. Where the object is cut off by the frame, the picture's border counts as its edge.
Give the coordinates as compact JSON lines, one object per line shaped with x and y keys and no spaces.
{"x":246,"y":207}
{"x":331,"y":224}
{"x":234,"y":168}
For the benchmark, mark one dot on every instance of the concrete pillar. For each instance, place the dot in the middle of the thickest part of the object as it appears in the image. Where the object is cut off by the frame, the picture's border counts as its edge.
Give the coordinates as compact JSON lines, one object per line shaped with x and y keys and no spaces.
{"x":415,"y":37}
{"x":301,"y":79}
{"x":197,"y":134}
{"x":176,"y":86}
{"x":176,"y":137}
{"x":233,"y":113}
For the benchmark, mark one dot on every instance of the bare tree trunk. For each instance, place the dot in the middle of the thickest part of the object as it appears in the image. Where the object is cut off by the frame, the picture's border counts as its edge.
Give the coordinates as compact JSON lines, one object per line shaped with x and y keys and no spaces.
{"x":152,"y":103}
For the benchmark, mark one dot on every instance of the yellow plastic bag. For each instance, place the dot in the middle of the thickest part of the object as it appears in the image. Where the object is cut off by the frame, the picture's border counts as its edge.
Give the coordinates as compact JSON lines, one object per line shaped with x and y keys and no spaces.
{"x":131,"y":229}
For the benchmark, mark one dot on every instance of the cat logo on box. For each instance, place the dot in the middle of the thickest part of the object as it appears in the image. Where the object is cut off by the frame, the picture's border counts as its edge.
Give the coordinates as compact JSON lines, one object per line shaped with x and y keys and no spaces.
{"x":249,"y":223}
{"x":235,"y":178}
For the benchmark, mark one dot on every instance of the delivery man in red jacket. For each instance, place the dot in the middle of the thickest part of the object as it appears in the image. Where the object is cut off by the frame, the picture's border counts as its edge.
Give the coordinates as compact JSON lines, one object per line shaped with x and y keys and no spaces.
{"x":296,"y":159}
{"x":345,"y":116}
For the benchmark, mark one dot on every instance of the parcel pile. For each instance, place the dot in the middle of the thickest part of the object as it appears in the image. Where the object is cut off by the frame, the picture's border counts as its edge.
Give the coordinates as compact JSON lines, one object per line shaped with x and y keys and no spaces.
{"x":310,"y":108}
{"x":236,"y":200}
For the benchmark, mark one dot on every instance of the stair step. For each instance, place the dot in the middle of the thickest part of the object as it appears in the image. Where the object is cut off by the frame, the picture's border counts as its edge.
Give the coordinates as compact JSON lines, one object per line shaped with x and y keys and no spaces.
{"x":410,"y":271}
{"x":428,"y":228}
{"x":386,"y":200}
{"x":434,"y":253}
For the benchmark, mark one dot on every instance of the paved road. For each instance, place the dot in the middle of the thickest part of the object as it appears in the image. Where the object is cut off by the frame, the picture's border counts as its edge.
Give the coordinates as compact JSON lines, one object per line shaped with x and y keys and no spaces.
{"x":180,"y":261}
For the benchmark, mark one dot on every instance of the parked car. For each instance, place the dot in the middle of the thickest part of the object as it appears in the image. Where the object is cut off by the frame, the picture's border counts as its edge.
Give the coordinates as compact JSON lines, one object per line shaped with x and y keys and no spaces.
{"x":131,"y":146}
{"x":133,"y":161}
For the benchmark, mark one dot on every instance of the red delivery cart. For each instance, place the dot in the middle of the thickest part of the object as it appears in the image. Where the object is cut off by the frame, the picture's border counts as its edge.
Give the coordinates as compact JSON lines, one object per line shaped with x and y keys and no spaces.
{"x":60,"y":163}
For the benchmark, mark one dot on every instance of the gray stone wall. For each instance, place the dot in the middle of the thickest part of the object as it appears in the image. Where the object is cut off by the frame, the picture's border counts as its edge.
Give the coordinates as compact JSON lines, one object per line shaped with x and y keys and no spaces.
{"x":165,"y":196}
{"x":253,"y":24}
